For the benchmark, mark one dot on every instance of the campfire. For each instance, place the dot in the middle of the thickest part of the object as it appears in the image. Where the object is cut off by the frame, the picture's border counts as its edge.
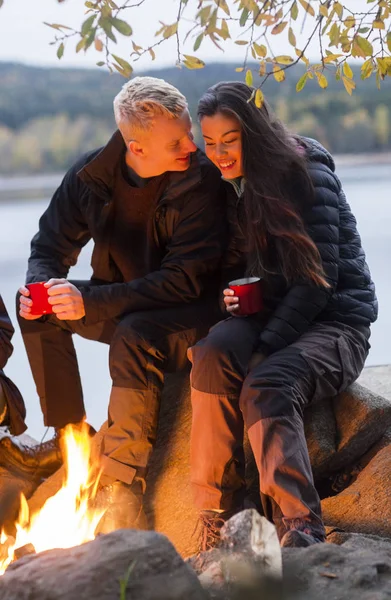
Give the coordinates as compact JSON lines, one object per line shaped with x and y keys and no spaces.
{"x":66,"y":519}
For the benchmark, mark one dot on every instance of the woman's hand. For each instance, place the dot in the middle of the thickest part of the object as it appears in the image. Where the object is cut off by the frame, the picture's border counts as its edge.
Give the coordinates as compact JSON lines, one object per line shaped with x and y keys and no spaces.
{"x":231,"y":301}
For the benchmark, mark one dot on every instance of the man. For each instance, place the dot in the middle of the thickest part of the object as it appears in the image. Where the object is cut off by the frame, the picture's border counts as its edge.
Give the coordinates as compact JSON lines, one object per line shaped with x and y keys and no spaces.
{"x":152,"y":203}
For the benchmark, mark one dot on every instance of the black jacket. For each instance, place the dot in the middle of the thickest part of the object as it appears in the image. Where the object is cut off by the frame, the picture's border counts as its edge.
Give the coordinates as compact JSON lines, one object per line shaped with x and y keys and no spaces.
{"x":188,"y":228}
{"x":351,"y":298}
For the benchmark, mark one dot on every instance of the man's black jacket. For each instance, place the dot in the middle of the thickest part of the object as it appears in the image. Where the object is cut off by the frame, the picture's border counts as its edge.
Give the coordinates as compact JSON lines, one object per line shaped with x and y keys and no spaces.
{"x":189,"y":228}
{"x":350,"y":299}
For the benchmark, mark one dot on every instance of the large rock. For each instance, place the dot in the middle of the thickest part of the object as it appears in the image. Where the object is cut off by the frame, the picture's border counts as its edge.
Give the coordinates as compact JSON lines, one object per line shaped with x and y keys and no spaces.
{"x":365,"y":506}
{"x":337,"y":572}
{"x":338,"y":432}
{"x":144,"y":564}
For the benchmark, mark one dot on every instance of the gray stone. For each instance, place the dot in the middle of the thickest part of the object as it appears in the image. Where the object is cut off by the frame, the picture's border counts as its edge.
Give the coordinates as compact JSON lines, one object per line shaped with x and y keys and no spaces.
{"x":321,"y":435}
{"x":365,"y":506}
{"x":337,"y":572}
{"x":146,"y":562}
{"x":362,"y":418}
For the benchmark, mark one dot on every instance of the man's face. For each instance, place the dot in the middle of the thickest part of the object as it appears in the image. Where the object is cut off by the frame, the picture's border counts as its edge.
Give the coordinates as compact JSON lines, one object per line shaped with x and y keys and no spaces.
{"x":165,"y":147}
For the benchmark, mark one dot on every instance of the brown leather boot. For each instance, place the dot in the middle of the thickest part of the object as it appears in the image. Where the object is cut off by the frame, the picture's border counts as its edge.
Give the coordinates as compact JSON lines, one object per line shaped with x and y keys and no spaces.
{"x":123,"y":504}
{"x":39,"y":461}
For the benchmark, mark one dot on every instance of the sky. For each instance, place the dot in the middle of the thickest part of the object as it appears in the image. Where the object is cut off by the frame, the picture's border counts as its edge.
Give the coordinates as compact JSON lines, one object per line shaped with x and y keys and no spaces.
{"x":24,"y":38}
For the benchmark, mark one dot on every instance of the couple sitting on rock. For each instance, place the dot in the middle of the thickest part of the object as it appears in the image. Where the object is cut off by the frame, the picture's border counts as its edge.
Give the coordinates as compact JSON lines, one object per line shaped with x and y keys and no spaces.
{"x":171,"y":227}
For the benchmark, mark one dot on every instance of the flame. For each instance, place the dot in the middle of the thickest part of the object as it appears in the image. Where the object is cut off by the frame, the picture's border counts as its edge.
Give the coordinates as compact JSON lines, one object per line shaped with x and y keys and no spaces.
{"x":67,"y":518}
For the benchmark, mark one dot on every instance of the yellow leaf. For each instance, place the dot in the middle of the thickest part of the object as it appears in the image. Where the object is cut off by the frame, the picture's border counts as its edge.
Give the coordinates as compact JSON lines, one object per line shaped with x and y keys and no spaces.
{"x":278,"y":73}
{"x":302,"y":57}
{"x":192,"y":62}
{"x":338,"y":8}
{"x":301,"y":83}
{"x":249,"y":77}
{"x":259,"y":98}
{"x":239,"y":69}
{"x":347,"y":71}
{"x":322,"y":80}
{"x":350,"y":22}
{"x":283,"y":60}
{"x":323,"y":10}
{"x":365,"y":46}
{"x":291,"y":37}
{"x":223,"y":5}
{"x":294,"y":11}
{"x":241,"y":42}
{"x":307,"y":7}
{"x":98,"y":45}
{"x":367,"y":69}
{"x":260,"y":49}
{"x":349,"y":85}
{"x":170,"y":30}
{"x":378,"y":24}
{"x":262,"y":68}
{"x":279,"y":28}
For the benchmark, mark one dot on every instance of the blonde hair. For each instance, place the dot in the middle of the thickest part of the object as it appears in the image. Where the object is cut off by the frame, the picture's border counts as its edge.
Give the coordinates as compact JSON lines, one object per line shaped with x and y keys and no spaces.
{"x":143,"y":98}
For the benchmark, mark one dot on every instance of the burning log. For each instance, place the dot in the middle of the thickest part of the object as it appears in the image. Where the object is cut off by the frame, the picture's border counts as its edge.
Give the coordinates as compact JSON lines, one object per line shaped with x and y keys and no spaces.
{"x":24,"y":551}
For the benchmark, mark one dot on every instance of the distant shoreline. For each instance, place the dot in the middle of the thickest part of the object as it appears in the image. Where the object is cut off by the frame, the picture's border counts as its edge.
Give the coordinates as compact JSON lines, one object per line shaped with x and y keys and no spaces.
{"x":28,"y":182}
{"x":353,"y":160}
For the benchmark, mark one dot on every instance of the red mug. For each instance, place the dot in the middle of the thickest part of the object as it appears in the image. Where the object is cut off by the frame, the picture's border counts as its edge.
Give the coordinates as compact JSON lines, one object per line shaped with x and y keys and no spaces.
{"x":249,"y":292}
{"x":39,"y":296}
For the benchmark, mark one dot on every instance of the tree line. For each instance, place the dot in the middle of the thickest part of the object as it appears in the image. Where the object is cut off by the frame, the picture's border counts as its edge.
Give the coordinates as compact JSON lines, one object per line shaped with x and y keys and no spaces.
{"x":50,"y":116}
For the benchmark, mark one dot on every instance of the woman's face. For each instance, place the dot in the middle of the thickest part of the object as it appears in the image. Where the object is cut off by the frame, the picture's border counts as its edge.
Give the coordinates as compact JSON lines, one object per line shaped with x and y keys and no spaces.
{"x":223,"y":143}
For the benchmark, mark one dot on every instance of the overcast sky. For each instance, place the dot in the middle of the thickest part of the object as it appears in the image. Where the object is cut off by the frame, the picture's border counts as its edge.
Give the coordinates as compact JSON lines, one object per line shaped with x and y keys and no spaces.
{"x":24,"y":37}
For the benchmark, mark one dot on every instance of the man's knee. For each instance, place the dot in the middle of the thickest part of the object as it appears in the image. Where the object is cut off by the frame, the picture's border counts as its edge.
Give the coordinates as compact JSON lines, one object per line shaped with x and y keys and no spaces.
{"x":132,"y":330}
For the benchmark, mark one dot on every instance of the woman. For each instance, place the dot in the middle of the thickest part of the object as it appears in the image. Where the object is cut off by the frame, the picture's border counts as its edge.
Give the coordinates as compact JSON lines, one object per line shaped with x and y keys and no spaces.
{"x":290,"y":224}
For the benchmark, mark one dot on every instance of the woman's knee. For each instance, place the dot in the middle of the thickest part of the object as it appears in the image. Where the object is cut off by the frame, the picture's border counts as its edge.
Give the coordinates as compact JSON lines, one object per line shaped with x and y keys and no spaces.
{"x":271,"y":397}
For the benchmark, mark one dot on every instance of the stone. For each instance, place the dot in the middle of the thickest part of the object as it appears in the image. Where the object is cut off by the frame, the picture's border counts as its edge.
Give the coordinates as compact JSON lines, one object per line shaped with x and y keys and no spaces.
{"x":144,"y":565}
{"x":364,"y":506}
{"x":337,"y":572}
{"x":249,"y":557}
{"x":321,"y":434}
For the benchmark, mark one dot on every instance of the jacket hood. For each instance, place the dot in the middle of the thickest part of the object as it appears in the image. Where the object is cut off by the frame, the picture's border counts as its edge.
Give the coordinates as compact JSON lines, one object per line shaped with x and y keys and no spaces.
{"x":317,"y":153}
{"x":99,"y":169}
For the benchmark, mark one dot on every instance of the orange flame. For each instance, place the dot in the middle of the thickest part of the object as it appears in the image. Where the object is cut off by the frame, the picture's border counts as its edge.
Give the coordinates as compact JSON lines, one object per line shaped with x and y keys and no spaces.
{"x":67,"y":518}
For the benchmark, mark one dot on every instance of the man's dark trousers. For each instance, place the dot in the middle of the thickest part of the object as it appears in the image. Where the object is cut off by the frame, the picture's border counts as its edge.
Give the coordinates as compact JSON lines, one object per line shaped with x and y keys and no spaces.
{"x":143,"y":345}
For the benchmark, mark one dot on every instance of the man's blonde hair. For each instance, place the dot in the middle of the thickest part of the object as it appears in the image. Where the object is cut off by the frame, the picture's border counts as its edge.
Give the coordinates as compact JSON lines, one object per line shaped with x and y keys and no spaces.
{"x":143,"y":98}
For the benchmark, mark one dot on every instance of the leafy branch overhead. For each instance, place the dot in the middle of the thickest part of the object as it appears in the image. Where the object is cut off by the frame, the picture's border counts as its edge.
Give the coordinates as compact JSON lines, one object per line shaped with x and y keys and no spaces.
{"x":340,"y":33}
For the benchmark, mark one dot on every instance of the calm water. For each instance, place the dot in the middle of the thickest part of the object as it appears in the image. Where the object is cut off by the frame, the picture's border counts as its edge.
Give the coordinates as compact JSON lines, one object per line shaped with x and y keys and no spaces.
{"x":23,"y":200}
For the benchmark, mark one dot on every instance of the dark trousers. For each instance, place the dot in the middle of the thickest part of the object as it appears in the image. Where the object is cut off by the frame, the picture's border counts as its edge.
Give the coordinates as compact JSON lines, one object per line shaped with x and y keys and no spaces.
{"x":268,"y":401}
{"x":143,"y":345}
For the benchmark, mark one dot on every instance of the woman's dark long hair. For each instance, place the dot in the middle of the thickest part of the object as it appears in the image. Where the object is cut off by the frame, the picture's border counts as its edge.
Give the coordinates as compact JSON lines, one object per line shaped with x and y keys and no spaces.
{"x":278,"y":187}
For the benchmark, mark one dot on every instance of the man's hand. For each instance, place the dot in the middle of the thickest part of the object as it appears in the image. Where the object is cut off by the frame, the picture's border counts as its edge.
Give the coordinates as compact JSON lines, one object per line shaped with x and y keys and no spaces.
{"x":66,"y":300}
{"x":255,"y":360}
{"x":25,"y":304}
{"x":231,"y":301}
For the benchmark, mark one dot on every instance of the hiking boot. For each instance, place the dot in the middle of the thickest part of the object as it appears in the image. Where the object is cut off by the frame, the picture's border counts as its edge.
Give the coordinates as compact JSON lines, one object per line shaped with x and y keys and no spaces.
{"x":302,"y":533}
{"x":41,"y":460}
{"x":123,"y":505}
{"x":211,"y":522}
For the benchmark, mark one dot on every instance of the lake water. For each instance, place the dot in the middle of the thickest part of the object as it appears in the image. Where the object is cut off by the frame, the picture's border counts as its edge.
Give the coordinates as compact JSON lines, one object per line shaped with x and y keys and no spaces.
{"x":22,"y":201}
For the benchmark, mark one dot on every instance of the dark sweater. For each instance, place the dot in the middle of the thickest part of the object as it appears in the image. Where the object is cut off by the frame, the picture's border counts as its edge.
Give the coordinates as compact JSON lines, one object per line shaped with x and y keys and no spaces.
{"x":133,"y":248}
